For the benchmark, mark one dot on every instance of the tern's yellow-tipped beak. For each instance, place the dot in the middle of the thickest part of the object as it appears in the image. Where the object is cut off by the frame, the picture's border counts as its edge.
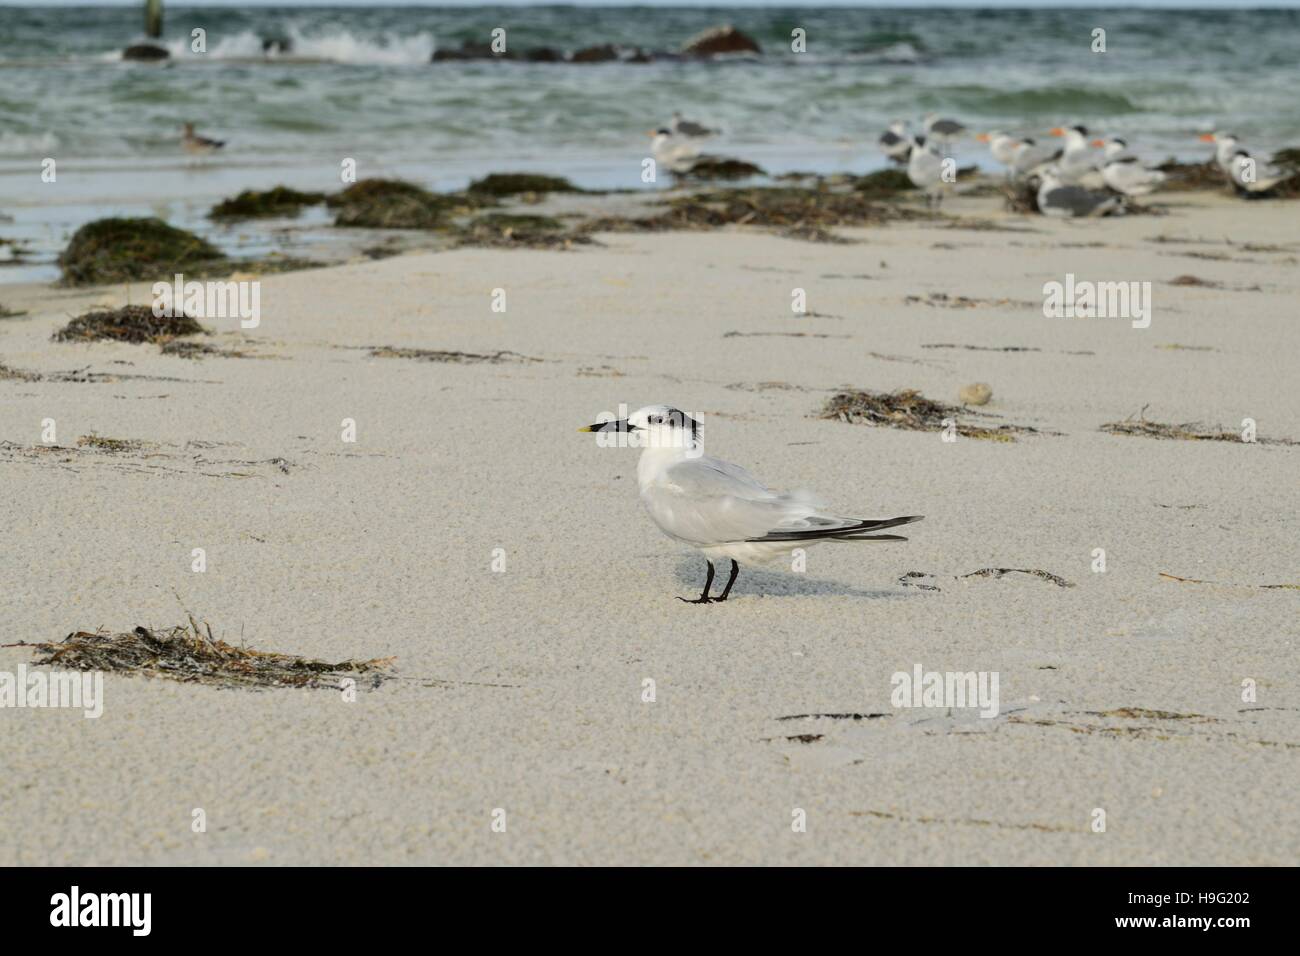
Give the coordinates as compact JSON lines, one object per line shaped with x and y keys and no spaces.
{"x":586,"y":428}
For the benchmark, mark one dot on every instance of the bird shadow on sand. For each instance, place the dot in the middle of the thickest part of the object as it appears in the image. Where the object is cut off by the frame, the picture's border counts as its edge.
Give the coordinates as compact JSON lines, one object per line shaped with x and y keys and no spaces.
{"x":690,"y":573}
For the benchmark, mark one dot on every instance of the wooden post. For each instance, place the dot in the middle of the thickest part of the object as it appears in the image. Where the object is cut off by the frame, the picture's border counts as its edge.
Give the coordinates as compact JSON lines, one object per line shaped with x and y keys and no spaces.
{"x":153,"y":18}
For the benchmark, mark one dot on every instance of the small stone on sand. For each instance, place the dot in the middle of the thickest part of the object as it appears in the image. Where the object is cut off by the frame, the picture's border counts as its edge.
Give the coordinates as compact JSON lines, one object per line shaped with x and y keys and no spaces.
{"x":976,"y":393}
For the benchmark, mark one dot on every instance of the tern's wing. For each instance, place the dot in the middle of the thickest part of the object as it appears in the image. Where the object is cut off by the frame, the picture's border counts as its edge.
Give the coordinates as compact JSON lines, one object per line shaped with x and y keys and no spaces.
{"x":710,"y":501}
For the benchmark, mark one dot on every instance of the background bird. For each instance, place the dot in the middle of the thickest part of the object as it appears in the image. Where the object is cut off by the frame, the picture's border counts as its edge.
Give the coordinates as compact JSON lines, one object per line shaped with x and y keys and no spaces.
{"x":197,"y":145}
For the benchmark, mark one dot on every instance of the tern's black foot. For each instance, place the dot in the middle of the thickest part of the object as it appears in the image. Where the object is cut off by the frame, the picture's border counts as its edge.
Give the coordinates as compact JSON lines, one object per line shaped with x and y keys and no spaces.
{"x":704,"y":595}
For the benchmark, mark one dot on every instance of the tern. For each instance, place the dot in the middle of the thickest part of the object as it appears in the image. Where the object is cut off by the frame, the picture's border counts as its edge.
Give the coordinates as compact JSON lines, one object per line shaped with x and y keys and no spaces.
{"x":671,"y":153}
{"x":1030,"y":157}
{"x":719,"y":508}
{"x":896,"y":142}
{"x":1077,"y":166}
{"x":1124,"y":173}
{"x":1251,"y":176}
{"x":925,"y":168}
{"x":1002,"y":146}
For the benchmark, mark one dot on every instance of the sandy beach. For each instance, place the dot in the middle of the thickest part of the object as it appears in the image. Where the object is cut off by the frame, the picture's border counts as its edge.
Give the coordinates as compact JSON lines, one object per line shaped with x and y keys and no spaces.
{"x":523,"y":689}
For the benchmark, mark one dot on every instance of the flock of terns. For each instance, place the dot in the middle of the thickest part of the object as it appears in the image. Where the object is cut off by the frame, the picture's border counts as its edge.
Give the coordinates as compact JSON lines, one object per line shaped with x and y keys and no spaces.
{"x":1073,"y":180}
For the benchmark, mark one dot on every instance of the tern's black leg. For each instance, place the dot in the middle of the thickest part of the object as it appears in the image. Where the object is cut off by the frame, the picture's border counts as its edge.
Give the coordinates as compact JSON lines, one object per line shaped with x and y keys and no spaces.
{"x":704,"y":595}
{"x":735,"y":569}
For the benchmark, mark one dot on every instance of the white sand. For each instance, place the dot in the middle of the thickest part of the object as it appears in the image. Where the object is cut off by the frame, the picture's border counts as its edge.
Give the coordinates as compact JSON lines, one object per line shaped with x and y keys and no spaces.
{"x":384,"y":547}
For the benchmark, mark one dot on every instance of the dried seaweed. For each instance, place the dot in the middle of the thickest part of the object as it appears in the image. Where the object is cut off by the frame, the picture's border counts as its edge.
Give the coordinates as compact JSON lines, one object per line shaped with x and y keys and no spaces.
{"x":131,"y":323}
{"x":8,"y":374}
{"x":942,"y":300}
{"x":1187,"y":431}
{"x":1188,"y":280}
{"x":436,"y":355}
{"x":184,"y":348}
{"x":1056,"y":579}
{"x":114,"y":445}
{"x":913,"y":579}
{"x":1229,"y":584}
{"x":192,"y":655}
{"x":909,"y":409}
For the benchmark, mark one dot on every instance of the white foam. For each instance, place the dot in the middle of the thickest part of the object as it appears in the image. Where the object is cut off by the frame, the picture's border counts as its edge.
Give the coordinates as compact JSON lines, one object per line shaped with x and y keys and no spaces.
{"x":337,"y":46}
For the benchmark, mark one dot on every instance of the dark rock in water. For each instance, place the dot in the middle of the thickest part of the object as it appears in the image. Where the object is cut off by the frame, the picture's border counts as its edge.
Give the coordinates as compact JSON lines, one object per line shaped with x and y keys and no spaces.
{"x":640,"y":56}
{"x":543,"y":54}
{"x":720,"y":167}
{"x":472,"y":51}
{"x":277,"y":45}
{"x":145,"y":52}
{"x":596,"y":54}
{"x":723,"y":39}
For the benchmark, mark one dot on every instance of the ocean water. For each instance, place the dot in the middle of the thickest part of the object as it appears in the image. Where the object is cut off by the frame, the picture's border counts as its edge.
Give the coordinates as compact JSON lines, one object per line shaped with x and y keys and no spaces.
{"x":359,"y":83}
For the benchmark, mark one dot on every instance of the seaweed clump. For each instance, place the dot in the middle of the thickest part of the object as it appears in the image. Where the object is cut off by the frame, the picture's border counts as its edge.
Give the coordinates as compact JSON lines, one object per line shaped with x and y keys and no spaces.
{"x":884,"y":182}
{"x":506,"y":230}
{"x":194,"y":656}
{"x":131,"y":323}
{"x":393,"y":204}
{"x":129,"y":250}
{"x":255,"y":204}
{"x":908,"y":409}
{"x":513,"y":184}
{"x":721,"y":167}
{"x":791,"y":211}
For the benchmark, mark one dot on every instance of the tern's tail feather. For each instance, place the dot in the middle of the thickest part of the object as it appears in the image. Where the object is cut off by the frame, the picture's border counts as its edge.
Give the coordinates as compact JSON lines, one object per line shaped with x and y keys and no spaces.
{"x":864,"y":530}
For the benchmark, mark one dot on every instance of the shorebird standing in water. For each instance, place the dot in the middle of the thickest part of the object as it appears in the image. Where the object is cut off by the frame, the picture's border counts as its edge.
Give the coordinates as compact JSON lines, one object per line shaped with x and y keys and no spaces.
{"x":720,"y":508}
{"x":197,"y":145}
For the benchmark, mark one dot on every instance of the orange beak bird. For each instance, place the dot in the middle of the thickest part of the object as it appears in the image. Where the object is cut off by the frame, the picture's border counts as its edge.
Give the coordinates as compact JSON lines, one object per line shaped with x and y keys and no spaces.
{"x":1206,"y":137}
{"x":983,"y":137}
{"x":1098,"y":142}
{"x":1057,"y":131}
